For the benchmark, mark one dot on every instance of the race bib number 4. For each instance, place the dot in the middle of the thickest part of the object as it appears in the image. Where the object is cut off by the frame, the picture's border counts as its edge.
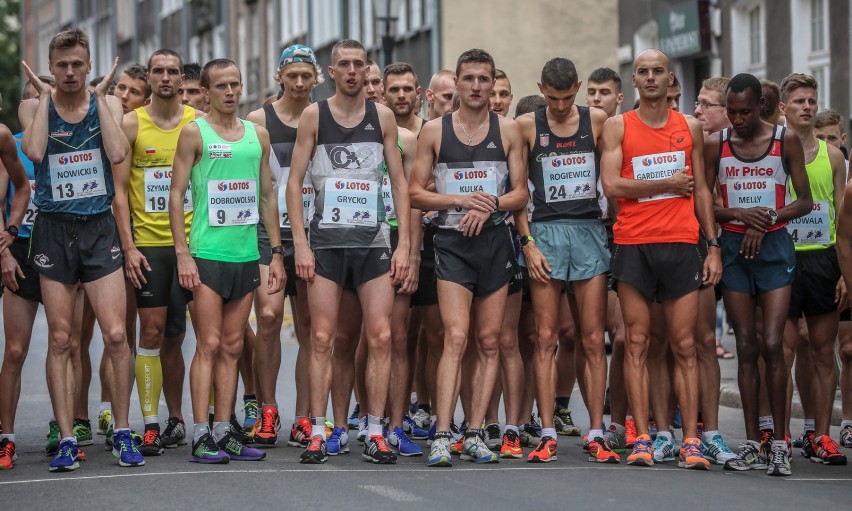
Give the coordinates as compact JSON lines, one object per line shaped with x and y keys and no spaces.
{"x":158,"y":185}
{"x":307,"y":202}
{"x":656,"y":167}
{"x":77,"y":175}
{"x":232,"y":202}
{"x":813,"y":228}
{"x":350,"y":202}
{"x":32,"y":210}
{"x":569,"y":177}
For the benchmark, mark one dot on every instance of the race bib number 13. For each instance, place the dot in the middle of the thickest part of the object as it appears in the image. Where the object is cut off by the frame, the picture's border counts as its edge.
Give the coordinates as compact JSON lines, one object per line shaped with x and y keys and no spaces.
{"x":77,"y":175}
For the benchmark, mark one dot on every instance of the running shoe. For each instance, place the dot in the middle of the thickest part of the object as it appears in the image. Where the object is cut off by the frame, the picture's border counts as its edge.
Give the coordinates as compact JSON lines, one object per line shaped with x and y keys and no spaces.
{"x":564,"y":424}
{"x":779,"y":461}
{"x":749,"y":458}
{"x":474,"y":449}
{"x":232,"y":445}
{"x":699,"y":430}
{"x":422,"y":419}
{"x":846,"y":436}
{"x":464,"y":427}
{"x":329,"y":427}
{"x":124,"y":448}
{"x":544,"y":452}
{"x":809,"y":445}
{"x":108,"y":442}
{"x":643,"y":452}
{"x":664,"y":449}
{"x":586,"y":443}
{"x":511,"y":447}
{"x":456,"y":446}
{"x":316,"y":452}
{"x":601,"y":452}
{"x":152,"y":443}
{"x":66,"y":458}
{"x":717,"y":451}
{"x":432,"y":431}
{"x":402,"y":444}
{"x":104,"y":419}
{"x":376,"y":450}
{"x":249,"y":414}
{"x":677,"y":422}
{"x":439,"y":453}
{"x":7,"y":453}
{"x":236,"y":429}
{"x":826,"y":452}
{"x":267,"y":427}
{"x":338,"y":442}
{"x":799,"y":442}
{"x":52,"y":437}
{"x":355,"y":417}
{"x":413,"y":429}
{"x":630,"y":433}
{"x":652,"y":428}
{"x":83,"y":432}
{"x":205,"y":450}
{"x":174,"y":434}
{"x":493,"y":438}
{"x":458,"y":433}
{"x":690,"y":455}
{"x":300,"y":433}
{"x":615,"y":437}
{"x":530,"y":435}
{"x":361,"y":437}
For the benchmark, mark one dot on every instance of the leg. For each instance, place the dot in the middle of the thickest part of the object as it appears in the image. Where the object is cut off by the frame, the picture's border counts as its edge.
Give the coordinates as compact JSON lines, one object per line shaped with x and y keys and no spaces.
{"x":822,"y":332}
{"x":681,"y":316}
{"x":591,"y":303}
{"x":455,"y":305}
{"x":343,"y":359}
{"x":510,"y":360}
{"x":708,"y":363}
{"x":636,"y":310}
{"x":18,"y":318}
{"x":302,"y":326}
{"x":775,"y":305}
{"x":546,"y":298}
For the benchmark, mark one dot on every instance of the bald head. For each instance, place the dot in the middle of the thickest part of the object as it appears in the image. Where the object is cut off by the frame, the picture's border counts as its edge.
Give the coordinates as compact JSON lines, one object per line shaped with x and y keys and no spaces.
{"x":651,"y":55}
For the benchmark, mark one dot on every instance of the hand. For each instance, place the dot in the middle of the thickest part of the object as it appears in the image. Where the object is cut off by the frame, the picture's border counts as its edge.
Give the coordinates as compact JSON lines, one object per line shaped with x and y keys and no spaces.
{"x":188,"y":272}
{"x":840,"y":296}
{"x":756,"y":218}
{"x":399,"y":266}
{"x":537,"y":264}
{"x":102,"y":88}
{"x":134,"y":262}
{"x":479,"y":201}
{"x":305,"y":263}
{"x":11,"y":269}
{"x":6,"y":240}
{"x":682,"y":183}
{"x":277,"y":276}
{"x":472,"y":222}
{"x":40,"y":87}
{"x":412,"y":280}
{"x":712,"y":267}
{"x":750,"y":246}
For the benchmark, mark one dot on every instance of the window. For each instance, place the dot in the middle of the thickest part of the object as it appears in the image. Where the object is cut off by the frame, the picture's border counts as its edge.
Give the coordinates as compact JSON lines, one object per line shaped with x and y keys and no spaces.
{"x":755,"y":36}
{"x":748,"y":37}
{"x":326,"y":22}
{"x":820,"y":73}
{"x":294,"y":20}
{"x":818,"y":31}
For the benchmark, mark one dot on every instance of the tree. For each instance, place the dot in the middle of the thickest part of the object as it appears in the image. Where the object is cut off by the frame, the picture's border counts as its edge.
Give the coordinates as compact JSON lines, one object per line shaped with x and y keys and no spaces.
{"x":10,"y":62}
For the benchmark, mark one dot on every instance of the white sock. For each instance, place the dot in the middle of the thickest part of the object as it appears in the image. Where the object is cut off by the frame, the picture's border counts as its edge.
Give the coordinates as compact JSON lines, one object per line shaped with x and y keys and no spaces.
{"x":105,"y":405}
{"x":199,"y":430}
{"x":318,"y":427}
{"x":220,"y":429}
{"x":665,"y":434}
{"x":510,"y":427}
{"x":10,"y":436}
{"x":779,"y":443}
{"x":766,"y":423}
{"x":210,"y":410}
{"x":151,"y":419}
{"x":845,"y":422}
{"x":71,"y":439}
{"x":809,"y":425}
{"x":551,"y":432}
{"x":595,"y":433}
{"x":374,"y":425}
{"x":708,"y":435}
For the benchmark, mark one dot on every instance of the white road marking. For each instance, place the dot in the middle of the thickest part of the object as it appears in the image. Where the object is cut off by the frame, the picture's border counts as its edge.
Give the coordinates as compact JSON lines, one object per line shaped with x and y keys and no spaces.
{"x":392,"y":493}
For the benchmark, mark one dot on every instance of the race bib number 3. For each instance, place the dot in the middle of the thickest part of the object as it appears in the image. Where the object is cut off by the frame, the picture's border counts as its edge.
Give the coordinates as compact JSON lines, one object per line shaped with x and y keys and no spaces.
{"x":350,"y":202}
{"x":32,"y":210}
{"x":569,"y":177}
{"x":656,"y":167}
{"x":232,"y":202}
{"x":158,"y":185}
{"x":813,"y":228}
{"x":77,"y":175}
{"x":307,"y":202}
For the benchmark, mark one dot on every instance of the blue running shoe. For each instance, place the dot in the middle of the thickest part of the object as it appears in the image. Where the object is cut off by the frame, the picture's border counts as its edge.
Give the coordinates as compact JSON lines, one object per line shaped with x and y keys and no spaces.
{"x":362,"y":430}
{"x":677,"y":422}
{"x":205,"y":450}
{"x":439,"y":456}
{"x":402,"y":444}
{"x":124,"y":448}
{"x":413,"y":430}
{"x":67,"y":457}
{"x":338,"y":442}
{"x":355,"y":417}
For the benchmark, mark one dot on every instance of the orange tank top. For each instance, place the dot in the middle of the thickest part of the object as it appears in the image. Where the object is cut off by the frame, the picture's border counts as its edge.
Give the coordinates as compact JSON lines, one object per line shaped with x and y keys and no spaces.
{"x":655,"y":154}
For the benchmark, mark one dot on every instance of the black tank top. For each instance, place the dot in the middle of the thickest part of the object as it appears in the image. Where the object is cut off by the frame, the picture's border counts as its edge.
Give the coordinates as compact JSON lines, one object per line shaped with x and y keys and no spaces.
{"x":282,"y":138}
{"x":564,"y":171}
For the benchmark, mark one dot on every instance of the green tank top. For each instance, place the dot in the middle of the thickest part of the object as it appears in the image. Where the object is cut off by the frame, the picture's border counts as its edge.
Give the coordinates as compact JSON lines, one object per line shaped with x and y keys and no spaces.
{"x":225,"y":193}
{"x":387,"y":198}
{"x":816,"y":230}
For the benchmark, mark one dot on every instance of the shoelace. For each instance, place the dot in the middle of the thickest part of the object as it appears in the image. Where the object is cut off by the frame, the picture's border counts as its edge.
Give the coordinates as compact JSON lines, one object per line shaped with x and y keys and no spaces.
{"x":691,"y":450}
{"x":250,"y":409}
{"x":267,"y":422}
{"x":171,"y":426}
{"x":381,"y":443}
{"x":316,"y":443}
{"x":150,"y":436}
{"x":778,"y":456}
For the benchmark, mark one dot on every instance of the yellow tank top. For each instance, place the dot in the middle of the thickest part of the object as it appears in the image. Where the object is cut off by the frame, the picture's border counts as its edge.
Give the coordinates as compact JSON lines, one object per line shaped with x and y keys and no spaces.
{"x":817,"y":229}
{"x":150,"y":181}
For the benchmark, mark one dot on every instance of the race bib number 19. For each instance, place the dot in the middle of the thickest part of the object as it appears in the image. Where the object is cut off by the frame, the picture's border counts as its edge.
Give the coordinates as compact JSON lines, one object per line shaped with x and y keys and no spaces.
{"x":77,"y":175}
{"x":350,"y":202}
{"x":656,"y":167}
{"x":158,"y":185}
{"x":232,"y":202}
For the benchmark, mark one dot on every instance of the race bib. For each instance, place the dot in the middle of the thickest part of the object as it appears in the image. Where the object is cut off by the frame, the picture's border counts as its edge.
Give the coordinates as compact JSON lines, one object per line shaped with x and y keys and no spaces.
{"x":656,"y":167}
{"x":350,"y":202}
{"x":307,"y":202}
{"x":813,"y":228}
{"x":751,"y":193}
{"x":32,"y":210}
{"x":158,"y":185}
{"x":387,"y":198}
{"x":77,"y":175}
{"x":569,"y":177}
{"x":232,"y":202}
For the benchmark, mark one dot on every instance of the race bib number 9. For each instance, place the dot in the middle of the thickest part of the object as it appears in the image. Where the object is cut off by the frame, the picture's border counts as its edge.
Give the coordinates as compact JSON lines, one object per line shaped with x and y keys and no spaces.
{"x":569,"y":177}
{"x":158,"y":185}
{"x":656,"y":167}
{"x":350,"y":202}
{"x":232,"y":202}
{"x":307,"y":202}
{"x":813,"y":228}
{"x":32,"y":210}
{"x":77,"y":175}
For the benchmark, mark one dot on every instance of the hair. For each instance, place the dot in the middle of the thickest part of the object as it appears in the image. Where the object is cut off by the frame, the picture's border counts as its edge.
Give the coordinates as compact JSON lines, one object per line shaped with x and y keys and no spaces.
{"x":139,"y":72}
{"x":68,"y":39}
{"x":771,"y":94}
{"x":476,"y":55}
{"x":371,"y":62}
{"x":346,"y":44}
{"x":400,"y":68}
{"x":741,"y":83}
{"x":168,"y":53}
{"x":718,"y":84}
{"x":442,"y":73}
{"x":215,"y":64}
{"x":529,"y":104}
{"x":192,"y":71}
{"x":49,"y":80}
{"x":796,"y":81}
{"x":828,"y":118}
{"x":605,"y":74}
{"x":675,"y":81}
{"x":559,"y":73}
{"x":499,"y":73}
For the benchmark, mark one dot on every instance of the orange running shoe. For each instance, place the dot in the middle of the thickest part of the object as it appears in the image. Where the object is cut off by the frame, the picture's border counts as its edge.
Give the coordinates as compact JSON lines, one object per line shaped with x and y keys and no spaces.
{"x":267,"y":427}
{"x":600,"y":452}
{"x":545,"y":451}
{"x":7,"y":453}
{"x":511,"y":447}
{"x":690,"y":455}
{"x":643,"y":452}
{"x":81,"y":456}
{"x":300,"y":433}
{"x":457,"y":446}
{"x":630,"y":432}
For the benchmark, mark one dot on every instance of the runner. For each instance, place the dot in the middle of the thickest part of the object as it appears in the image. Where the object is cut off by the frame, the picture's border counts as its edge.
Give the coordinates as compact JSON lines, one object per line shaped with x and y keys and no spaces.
{"x":190,"y":91}
{"x":604,"y":91}
{"x":74,"y":237}
{"x":439,"y":94}
{"x":673,"y":94}
{"x":373,"y":85}
{"x":227,"y":161}
{"x":501,"y":95}
{"x":349,"y":139}
{"x":133,"y":88}
{"x":474,"y":255}
{"x":402,"y":88}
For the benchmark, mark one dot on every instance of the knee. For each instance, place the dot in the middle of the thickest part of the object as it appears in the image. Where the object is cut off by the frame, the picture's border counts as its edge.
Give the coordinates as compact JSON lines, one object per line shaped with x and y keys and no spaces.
{"x":547,"y":339}
{"x":14,"y":357}
{"x":322,"y":342}
{"x":683,"y":349}
{"x":455,"y":341}
{"x":508,"y":343}
{"x":151,"y":336}
{"x":846,"y":353}
{"x":636,"y":345}
{"x":380,"y":341}
{"x":115,"y":338}
{"x":489,"y":346}
{"x":270,"y":320}
{"x":593,"y":345}
{"x":232,"y":345}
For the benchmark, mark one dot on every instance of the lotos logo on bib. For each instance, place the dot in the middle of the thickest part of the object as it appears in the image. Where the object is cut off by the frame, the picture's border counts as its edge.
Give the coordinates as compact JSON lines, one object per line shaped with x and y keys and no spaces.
{"x":458,"y":175}
{"x":233,"y":186}
{"x":352,"y":185}
{"x":658,"y":159}
{"x":646,"y":161}
{"x":749,"y":185}
{"x":472,"y":174}
{"x":75,"y":158}
{"x":569,"y":160}
{"x":162,"y":174}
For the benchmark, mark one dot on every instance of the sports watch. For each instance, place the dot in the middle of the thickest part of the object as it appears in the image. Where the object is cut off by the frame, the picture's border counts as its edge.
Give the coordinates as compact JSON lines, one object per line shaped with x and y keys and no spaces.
{"x":773,"y":216}
{"x":278,"y":249}
{"x":526,"y":239}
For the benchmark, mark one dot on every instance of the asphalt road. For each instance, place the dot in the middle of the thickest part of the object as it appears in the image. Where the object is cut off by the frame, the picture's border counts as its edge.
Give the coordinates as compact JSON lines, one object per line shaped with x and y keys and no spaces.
{"x":345,"y":482}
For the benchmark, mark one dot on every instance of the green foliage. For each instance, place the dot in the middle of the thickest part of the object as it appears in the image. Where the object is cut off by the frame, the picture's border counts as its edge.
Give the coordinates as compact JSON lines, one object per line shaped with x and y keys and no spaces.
{"x":10,"y":62}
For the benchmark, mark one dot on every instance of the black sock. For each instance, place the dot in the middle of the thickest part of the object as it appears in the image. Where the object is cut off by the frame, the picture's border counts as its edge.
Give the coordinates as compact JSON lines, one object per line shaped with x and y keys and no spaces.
{"x":426,"y":408}
{"x":562,"y":402}
{"x":249,"y":397}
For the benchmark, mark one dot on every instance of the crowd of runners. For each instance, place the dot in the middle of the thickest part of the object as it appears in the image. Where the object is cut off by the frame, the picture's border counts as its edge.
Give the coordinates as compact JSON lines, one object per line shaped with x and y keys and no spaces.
{"x":455,"y":258}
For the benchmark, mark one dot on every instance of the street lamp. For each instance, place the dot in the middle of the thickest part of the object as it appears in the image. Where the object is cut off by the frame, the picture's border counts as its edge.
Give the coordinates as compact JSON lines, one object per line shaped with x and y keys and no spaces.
{"x":387,"y":11}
